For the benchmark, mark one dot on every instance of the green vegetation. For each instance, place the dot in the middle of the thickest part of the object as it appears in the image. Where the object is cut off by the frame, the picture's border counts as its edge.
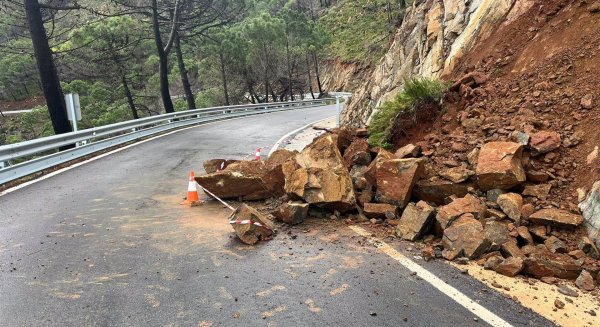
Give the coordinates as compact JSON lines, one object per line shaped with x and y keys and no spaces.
{"x":361,"y":29}
{"x":418,"y":93}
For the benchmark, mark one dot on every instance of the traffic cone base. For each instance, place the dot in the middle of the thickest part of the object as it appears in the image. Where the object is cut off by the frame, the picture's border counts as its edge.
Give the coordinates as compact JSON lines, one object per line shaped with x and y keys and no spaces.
{"x":192,"y":192}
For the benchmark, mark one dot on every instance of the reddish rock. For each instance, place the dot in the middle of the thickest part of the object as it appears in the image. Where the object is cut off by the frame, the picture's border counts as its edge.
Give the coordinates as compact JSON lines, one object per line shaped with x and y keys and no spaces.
{"x":355,"y":151}
{"x":540,"y":191}
{"x":468,"y":204}
{"x":546,"y":264}
{"x":371,"y":172}
{"x":471,"y":80}
{"x":466,"y":236}
{"x":525,"y":235}
{"x":250,"y":225}
{"x":280,"y":156}
{"x":365,"y":196}
{"x":457,"y":174}
{"x":415,"y":221}
{"x":319,"y":176}
{"x":585,"y":281}
{"x":240,"y":180}
{"x":544,"y":141}
{"x":292,"y":213}
{"x":511,"y":249}
{"x":396,"y":178}
{"x":510,"y":267}
{"x":437,"y":191}
{"x":527,"y":210}
{"x":499,"y":166}
{"x":213,"y":165}
{"x":379,"y":210}
{"x":408,"y":151}
{"x":511,"y":204}
{"x":428,"y":253}
{"x":587,"y":102}
{"x":497,"y":233}
{"x":556,"y":217}
{"x":555,"y":245}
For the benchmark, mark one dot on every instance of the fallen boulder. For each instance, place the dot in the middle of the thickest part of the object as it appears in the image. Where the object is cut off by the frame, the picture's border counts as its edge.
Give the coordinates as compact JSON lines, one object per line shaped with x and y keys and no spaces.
{"x":466,"y":236}
{"x":371,"y":172}
{"x":556,"y":217}
{"x":544,"y":141}
{"x":415,"y":221}
{"x":213,"y":165}
{"x":292,"y":213}
{"x":498,"y":234}
{"x":356,"y":153}
{"x":250,"y":225}
{"x":437,"y":191}
{"x":499,"y":166}
{"x":468,"y":204}
{"x":408,"y":151}
{"x":395,"y":180}
{"x":546,"y":264}
{"x":457,"y":174}
{"x":240,"y":180}
{"x":318,"y":175}
{"x":379,"y":210}
{"x":511,"y":204}
{"x":510,"y":266}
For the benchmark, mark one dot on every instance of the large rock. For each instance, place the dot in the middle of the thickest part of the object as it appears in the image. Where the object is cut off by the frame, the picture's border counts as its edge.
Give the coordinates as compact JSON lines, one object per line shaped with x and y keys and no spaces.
{"x":468,"y":204}
{"x":497,"y":232}
{"x":546,"y":264}
{"x":457,"y":174}
{"x":241,"y":180}
{"x":511,"y":204}
{"x":318,"y":175}
{"x":396,"y":178}
{"x":415,"y":221}
{"x":408,"y":151}
{"x":250,"y":225}
{"x":466,"y":236}
{"x":356,"y":151}
{"x":379,"y":210}
{"x":437,"y":191}
{"x":510,"y":267}
{"x":499,"y":166}
{"x":213,"y":165}
{"x":292,"y":213}
{"x":544,"y":141}
{"x":274,"y":178}
{"x":371,"y":172}
{"x":590,"y":209}
{"x":556,"y":217}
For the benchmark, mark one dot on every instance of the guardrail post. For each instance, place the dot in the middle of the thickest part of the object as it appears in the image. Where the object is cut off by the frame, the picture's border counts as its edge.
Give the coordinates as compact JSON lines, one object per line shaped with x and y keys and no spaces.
{"x":3,"y":164}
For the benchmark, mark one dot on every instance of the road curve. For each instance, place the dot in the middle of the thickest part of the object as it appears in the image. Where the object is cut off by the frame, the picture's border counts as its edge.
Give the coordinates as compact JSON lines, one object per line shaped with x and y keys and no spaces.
{"x":107,"y":244}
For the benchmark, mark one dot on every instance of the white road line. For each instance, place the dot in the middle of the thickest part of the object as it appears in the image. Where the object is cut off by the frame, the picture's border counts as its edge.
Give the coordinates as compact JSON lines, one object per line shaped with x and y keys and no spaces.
{"x":442,"y":286}
{"x":278,"y":143}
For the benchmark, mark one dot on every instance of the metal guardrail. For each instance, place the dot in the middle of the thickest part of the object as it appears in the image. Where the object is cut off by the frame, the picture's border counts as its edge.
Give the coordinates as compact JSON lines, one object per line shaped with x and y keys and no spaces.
{"x":46,"y":153}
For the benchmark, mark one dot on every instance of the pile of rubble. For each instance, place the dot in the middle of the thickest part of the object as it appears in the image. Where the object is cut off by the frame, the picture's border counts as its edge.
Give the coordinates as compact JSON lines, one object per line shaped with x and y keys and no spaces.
{"x":483,"y":209}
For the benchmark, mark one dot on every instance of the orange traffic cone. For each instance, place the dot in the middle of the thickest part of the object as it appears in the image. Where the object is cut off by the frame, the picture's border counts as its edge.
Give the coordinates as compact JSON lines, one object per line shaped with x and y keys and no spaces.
{"x":257,"y":156}
{"x":192,"y":193}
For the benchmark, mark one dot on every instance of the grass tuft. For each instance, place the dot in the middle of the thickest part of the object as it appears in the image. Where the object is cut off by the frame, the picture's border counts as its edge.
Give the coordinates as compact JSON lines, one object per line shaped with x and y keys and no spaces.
{"x":418,"y":93}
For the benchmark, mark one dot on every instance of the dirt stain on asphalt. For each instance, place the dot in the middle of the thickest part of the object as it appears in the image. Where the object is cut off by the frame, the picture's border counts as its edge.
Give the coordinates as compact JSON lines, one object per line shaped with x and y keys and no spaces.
{"x":272,"y":312}
{"x":339,"y":290}
{"x":152,"y":301}
{"x":270,"y":291}
{"x":329,"y":273}
{"x":352,"y":262}
{"x":312,"y":307}
{"x":66,"y":296}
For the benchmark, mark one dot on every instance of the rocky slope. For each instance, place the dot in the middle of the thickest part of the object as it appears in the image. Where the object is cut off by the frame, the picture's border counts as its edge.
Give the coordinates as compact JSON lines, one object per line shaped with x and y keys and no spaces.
{"x":432,"y":39}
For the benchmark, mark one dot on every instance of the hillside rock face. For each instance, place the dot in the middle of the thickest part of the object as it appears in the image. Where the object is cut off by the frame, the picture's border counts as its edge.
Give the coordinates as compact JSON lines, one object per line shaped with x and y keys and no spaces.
{"x":432,"y":38}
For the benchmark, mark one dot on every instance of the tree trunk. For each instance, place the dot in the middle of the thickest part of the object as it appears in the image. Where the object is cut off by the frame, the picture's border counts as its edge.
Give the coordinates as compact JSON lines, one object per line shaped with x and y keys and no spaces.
{"x":129,"y":97}
{"x":47,"y":70}
{"x":163,"y":63}
{"x":290,"y":69}
{"x":266,"y":77}
{"x":185,"y":81}
{"x":317,"y":72}
{"x":224,"y":78}
{"x":310,"y":86}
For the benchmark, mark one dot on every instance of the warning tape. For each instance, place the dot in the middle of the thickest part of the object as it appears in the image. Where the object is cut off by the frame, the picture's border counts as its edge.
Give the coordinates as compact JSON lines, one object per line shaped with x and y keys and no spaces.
{"x":216,"y":197}
{"x":248,"y":222}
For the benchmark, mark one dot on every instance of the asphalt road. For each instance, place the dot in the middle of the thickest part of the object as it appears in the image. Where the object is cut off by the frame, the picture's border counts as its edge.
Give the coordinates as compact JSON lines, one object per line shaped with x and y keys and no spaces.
{"x":107,"y":244}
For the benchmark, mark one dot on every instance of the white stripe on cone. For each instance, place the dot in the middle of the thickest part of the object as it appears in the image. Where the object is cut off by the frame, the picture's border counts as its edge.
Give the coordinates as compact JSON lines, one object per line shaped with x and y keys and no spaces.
{"x":192,"y":186}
